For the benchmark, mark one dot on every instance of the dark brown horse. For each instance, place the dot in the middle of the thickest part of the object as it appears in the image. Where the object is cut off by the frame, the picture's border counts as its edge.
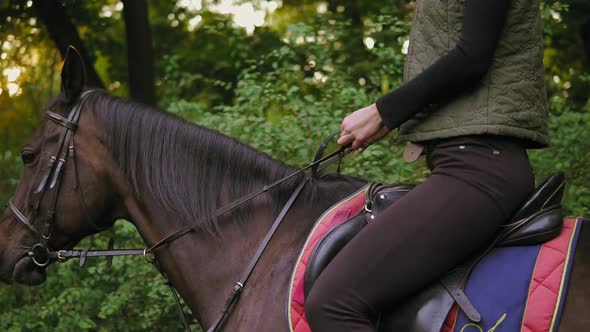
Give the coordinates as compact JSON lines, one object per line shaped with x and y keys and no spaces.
{"x":132,"y":162}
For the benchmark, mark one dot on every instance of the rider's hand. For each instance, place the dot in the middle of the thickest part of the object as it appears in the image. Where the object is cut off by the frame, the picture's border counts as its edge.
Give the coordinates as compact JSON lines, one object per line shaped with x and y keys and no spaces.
{"x":362,"y":128}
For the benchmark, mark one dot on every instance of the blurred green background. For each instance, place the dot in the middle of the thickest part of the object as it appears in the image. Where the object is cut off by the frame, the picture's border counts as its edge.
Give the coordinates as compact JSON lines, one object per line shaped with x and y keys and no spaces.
{"x":279,"y":75}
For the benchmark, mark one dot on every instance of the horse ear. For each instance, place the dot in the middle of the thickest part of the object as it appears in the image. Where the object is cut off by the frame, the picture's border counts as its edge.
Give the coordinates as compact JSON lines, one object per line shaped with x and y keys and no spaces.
{"x":73,"y":75}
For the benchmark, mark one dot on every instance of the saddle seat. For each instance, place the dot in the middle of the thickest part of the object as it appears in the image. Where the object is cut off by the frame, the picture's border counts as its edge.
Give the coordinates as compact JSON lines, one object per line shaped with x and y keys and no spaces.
{"x":539,"y":219}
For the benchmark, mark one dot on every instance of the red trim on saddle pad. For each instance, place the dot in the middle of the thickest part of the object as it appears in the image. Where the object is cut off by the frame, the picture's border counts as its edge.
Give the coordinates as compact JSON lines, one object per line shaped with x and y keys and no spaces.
{"x":333,"y":217}
{"x":548,"y":283}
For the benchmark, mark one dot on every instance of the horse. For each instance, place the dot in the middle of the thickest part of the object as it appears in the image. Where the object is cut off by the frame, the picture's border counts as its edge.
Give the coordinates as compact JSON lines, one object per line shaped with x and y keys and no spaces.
{"x":98,"y":158}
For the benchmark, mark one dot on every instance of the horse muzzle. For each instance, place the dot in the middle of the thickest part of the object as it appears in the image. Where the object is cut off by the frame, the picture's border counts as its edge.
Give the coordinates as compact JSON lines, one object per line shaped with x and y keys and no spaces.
{"x":28,"y":272}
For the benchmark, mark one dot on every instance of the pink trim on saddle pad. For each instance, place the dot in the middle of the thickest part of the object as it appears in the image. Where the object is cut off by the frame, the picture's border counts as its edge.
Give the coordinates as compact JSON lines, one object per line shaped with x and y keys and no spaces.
{"x":333,"y":217}
{"x":548,"y":283}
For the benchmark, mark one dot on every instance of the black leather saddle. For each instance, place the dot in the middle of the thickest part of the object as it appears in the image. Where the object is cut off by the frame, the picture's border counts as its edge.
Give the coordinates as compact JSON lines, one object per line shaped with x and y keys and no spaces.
{"x":538,"y":220}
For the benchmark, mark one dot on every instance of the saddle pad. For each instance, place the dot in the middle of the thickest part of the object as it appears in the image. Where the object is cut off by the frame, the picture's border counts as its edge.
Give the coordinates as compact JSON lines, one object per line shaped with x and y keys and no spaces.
{"x":333,"y":217}
{"x":520,"y":288}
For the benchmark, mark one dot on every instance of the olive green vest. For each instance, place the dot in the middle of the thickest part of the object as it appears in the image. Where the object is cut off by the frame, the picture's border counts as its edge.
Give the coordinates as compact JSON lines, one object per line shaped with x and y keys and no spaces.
{"x":510,"y":100}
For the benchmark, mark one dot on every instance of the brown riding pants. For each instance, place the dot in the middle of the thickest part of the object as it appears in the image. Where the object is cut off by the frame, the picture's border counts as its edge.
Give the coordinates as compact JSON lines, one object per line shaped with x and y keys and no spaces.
{"x":476,"y":184}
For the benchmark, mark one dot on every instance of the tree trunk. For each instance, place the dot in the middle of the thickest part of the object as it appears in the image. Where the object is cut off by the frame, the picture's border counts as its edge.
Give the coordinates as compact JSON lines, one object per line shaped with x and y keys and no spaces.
{"x":586,"y":39}
{"x":140,"y":56}
{"x":353,"y":43}
{"x":60,"y":28}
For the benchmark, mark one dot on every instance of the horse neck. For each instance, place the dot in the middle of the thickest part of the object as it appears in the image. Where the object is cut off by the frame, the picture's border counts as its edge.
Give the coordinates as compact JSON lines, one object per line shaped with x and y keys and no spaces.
{"x":204,"y":267}
{"x":201,"y":265}
{"x":179,"y":168}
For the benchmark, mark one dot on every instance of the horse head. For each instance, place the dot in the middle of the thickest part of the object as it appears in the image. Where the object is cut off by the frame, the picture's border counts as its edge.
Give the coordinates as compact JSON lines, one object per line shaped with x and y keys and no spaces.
{"x":65,"y":191}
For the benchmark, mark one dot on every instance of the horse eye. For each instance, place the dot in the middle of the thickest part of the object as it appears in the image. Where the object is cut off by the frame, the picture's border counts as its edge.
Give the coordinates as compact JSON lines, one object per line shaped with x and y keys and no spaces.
{"x":27,"y":156}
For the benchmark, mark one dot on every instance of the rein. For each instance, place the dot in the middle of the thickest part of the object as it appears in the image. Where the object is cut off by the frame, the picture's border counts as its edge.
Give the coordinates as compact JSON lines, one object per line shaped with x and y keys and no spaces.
{"x":42,"y":256}
{"x":322,"y":163}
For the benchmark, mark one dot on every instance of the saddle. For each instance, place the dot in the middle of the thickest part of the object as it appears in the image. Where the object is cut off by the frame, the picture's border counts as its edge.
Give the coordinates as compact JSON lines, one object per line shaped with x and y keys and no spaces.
{"x":539,"y":219}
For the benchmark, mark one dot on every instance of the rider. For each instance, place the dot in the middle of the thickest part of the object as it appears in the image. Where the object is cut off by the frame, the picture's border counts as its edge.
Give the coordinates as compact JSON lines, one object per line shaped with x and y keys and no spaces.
{"x":475,"y":100}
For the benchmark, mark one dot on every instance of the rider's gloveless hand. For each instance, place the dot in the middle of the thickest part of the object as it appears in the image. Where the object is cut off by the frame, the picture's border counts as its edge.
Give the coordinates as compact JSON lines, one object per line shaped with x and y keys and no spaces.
{"x":362,"y":128}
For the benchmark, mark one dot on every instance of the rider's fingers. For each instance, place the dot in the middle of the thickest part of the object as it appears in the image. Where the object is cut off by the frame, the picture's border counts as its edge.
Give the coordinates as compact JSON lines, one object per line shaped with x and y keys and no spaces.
{"x":357,"y":143}
{"x":345,"y":139}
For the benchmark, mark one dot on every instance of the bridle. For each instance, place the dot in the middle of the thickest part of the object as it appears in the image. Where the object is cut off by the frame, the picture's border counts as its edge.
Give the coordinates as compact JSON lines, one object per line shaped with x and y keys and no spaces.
{"x":41,"y":255}
{"x":51,"y":183}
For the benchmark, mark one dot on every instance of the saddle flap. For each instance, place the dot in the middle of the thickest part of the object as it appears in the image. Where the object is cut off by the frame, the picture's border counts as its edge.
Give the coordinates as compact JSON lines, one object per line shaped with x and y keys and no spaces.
{"x":377,"y":198}
{"x":425,"y":311}
{"x":329,"y":246}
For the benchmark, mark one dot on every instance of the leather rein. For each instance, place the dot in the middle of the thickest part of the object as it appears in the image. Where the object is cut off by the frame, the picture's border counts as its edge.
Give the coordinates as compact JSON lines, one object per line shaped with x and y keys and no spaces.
{"x":41,"y":255}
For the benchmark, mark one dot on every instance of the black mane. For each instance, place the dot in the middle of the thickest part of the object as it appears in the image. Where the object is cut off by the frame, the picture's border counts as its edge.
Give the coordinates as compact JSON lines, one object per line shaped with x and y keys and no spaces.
{"x":181,"y":165}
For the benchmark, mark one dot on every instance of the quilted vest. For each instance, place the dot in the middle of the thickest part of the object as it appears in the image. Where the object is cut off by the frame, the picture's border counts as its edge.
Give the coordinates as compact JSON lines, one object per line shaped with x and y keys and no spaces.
{"x":510,"y":100}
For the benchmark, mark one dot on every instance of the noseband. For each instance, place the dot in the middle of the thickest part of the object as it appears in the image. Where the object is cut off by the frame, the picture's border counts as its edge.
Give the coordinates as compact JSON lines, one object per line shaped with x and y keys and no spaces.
{"x":51,"y":183}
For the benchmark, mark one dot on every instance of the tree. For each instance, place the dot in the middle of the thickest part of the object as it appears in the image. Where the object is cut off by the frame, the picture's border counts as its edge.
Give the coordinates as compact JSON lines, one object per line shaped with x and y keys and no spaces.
{"x":140,"y":63}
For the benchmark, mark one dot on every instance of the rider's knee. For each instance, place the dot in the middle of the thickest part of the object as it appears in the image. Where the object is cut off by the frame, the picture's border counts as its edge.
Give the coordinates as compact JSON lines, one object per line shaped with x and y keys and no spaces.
{"x":314,"y":305}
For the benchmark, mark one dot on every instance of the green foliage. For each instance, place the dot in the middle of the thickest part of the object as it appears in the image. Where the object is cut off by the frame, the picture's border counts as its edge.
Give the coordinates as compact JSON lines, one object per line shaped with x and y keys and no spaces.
{"x":281,"y":89}
{"x":10,"y":167}
{"x":569,"y":153}
{"x":294,"y":96}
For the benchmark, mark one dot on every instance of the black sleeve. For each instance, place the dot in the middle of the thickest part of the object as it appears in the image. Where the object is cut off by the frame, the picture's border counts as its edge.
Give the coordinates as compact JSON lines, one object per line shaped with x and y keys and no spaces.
{"x":461,"y":68}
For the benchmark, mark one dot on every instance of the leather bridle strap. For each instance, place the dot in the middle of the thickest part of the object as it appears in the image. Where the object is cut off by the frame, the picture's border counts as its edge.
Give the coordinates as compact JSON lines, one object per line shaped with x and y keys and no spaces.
{"x":239,"y":286}
{"x":71,"y":125}
{"x":329,"y":159}
{"x":21,"y":218}
{"x":319,"y":154}
{"x":63,"y":255}
{"x":52,"y":180}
